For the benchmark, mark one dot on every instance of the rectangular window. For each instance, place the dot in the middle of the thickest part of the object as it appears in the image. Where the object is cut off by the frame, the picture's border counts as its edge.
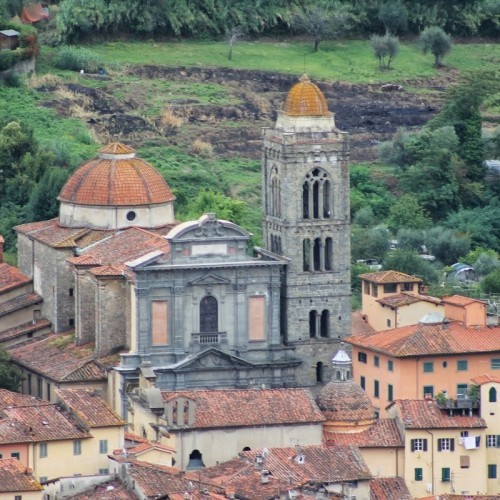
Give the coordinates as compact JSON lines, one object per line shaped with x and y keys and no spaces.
{"x":77,"y":447}
{"x":492,"y":441}
{"x":462,"y":365}
{"x":390,"y":393}
{"x":492,"y":471}
{"x":257,"y":318}
{"x":388,"y":323}
{"x":495,"y":364}
{"x":462,"y":389}
{"x":362,"y":382}
{"x":15,"y":454}
{"x":390,"y":365}
{"x":428,"y":391}
{"x":103,"y":471}
{"x":103,"y":446}
{"x":446,"y":444}
{"x":18,"y":497}
{"x":48,"y":391}
{"x":407,"y":287}
{"x":159,"y":322}
{"x":367,"y":287}
{"x":362,"y":357}
{"x":419,"y":474}
{"x":39,"y":387}
{"x":376,"y":389}
{"x":390,"y":288}
{"x":418,"y":444}
{"x":374,"y":290}
{"x":71,"y":292}
{"x":43,"y":479}
{"x":428,"y":367}
{"x":376,"y":361}
{"x":464,"y":434}
{"x":445,"y":474}
{"x":43,"y":450}
{"x":464,"y":461}
{"x":30,"y":388}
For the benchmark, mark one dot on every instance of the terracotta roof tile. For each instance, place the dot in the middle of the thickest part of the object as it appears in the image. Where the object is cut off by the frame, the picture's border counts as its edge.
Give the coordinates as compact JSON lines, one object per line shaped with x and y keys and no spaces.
{"x":117,"y":148}
{"x":136,"y":445}
{"x":11,"y":277}
{"x":425,"y":414}
{"x":460,"y":300}
{"x":250,"y":407}
{"x":305,"y":99}
{"x":20,"y":302}
{"x":15,"y":477}
{"x":360,"y":325}
{"x":405,"y":299}
{"x":430,"y":339}
{"x":24,"y":329}
{"x":9,"y":398}
{"x":90,"y":407}
{"x":486,"y":379}
{"x":384,"y":433}
{"x":386,"y":488}
{"x":390,"y":277}
{"x":111,"y":490}
{"x":74,"y":363}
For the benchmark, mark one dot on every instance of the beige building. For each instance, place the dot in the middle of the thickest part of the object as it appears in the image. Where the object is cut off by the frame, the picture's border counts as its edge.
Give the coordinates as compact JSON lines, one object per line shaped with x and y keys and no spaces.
{"x":17,"y":481}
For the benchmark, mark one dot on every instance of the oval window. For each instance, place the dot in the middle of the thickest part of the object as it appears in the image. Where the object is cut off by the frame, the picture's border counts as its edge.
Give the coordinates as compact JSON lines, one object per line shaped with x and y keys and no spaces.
{"x":131,"y":215}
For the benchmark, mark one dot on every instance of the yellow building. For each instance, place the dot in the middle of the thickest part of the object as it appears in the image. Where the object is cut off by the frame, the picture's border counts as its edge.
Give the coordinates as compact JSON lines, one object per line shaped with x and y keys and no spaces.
{"x":17,"y":481}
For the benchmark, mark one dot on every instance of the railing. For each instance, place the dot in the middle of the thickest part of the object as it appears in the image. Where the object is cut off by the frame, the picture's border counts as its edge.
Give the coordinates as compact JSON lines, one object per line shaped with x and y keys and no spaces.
{"x":199,"y":339}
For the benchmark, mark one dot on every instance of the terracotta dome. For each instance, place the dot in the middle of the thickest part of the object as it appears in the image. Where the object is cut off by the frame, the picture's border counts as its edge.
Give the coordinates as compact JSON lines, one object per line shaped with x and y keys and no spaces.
{"x":345,"y":401}
{"x":306,"y":99}
{"x":116,"y":178}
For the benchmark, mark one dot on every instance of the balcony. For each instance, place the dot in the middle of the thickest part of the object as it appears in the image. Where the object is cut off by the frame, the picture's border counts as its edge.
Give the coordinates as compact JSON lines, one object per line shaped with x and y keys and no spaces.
{"x":461,"y":403}
{"x":200,"y":341}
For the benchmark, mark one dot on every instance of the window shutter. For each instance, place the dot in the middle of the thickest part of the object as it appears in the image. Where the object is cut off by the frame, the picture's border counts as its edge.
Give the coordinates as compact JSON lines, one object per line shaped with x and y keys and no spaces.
{"x":412,"y":445}
{"x":425,"y":444}
{"x":478,"y":441}
{"x":498,"y":442}
{"x":440,"y":444}
{"x":452,"y":444}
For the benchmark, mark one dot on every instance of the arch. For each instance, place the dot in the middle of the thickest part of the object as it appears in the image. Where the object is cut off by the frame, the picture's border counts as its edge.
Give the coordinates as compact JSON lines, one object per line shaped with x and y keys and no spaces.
{"x":305,"y":200}
{"x":195,"y":460}
{"x":209,"y":314}
{"x":325,"y":324}
{"x":306,"y":255}
{"x":327,"y":208}
{"x":275,"y":195}
{"x":338,"y":375}
{"x":313,"y":320}
{"x":492,"y":395}
{"x":328,"y":254}
{"x":247,"y":448}
{"x":319,"y":371}
{"x":317,"y":195}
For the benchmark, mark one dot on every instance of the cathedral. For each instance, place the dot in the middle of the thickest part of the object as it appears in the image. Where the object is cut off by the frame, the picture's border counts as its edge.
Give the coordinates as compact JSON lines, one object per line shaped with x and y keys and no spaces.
{"x":186,"y":305}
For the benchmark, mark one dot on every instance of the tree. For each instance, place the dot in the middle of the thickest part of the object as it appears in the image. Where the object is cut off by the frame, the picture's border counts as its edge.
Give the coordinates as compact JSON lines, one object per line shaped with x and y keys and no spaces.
{"x":394,"y":17}
{"x":486,"y":264}
{"x":386,"y":46}
{"x":409,"y":262}
{"x":364,"y":217}
{"x":222,"y":206}
{"x":10,"y":375}
{"x":369,"y":243}
{"x":473,"y":255}
{"x":322,"y":24}
{"x":407,"y":213}
{"x":437,"y":42}
{"x":446,"y":245}
{"x":232,"y":37}
{"x":491,"y":282}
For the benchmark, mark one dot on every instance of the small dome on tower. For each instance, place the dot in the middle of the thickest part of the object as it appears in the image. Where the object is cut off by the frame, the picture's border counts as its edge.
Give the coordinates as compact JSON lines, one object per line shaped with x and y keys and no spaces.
{"x":305,"y":99}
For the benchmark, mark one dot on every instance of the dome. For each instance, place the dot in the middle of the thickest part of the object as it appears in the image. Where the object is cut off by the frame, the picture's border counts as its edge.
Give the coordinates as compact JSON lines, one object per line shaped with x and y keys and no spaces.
{"x":345,"y":402}
{"x":115,"y":178}
{"x":305,"y":99}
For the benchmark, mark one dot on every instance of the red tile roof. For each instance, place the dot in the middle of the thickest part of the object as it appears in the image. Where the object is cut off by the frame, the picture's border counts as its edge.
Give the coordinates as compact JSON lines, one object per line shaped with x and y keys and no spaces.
{"x":405,"y":299}
{"x":112,"y":490}
{"x":486,"y":379}
{"x":15,"y":477}
{"x":389,"y":277}
{"x":390,"y":488}
{"x":250,"y":407}
{"x":430,"y":339}
{"x":425,"y":414}
{"x":136,"y":446}
{"x":9,"y":398}
{"x":88,"y":406}
{"x":460,"y":300}
{"x":116,"y":178}
{"x":360,"y":325}
{"x":384,"y":433}
{"x":74,"y":363}
{"x":20,"y":302}
{"x":11,"y":277}
{"x":24,"y":329}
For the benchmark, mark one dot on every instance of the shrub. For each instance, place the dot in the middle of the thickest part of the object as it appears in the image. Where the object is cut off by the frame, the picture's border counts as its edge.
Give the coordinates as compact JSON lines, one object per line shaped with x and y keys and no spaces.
{"x":76,"y":59}
{"x":202,"y":148}
{"x":491,"y":282}
{"x":12,"y":80}
{"x":170,"y":121}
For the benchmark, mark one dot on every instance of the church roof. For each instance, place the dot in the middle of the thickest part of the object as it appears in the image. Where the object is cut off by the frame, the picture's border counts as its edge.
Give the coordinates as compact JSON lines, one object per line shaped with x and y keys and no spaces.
{"x":306,"y":99}
{"x":384,"y":433}
{"x":116,"y":178}
{"x":345,"y":401}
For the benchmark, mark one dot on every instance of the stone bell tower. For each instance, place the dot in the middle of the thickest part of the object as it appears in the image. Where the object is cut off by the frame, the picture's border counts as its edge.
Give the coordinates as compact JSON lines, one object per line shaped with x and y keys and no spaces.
{"x":305,"y":185}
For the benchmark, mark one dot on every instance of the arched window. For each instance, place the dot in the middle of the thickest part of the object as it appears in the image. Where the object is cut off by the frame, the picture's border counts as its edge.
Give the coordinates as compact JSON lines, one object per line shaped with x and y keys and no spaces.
{"x":316,"y":195}
{"x":275,"y":200}
{"x":493,"y":395}
{"x":209,"y":315}
{"x":247,"y":448}
{"x":306,"y":255}
{"x":328,"y":254}
{"x":319,"y":371}
{"x":325,"y":324}
{"x":195,"y":460}
{"x":313,"y":320}
{"x":317,"y":254}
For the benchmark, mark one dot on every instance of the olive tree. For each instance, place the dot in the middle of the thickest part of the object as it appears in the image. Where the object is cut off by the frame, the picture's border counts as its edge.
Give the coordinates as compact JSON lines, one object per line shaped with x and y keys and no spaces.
{"x":437,"y":42}
{"x":386,"y":46}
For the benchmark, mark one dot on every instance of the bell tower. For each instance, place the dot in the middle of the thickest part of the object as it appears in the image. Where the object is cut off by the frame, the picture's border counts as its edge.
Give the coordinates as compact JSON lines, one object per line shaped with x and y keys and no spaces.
{"x":305,"y":186}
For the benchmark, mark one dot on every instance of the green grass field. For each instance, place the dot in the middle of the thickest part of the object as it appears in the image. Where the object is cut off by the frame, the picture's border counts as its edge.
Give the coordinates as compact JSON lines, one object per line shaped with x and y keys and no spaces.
{"x":349,"y":60}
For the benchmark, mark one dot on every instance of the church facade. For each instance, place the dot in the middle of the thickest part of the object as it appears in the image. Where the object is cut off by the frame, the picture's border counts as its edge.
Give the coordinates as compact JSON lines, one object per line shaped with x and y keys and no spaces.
{"x":186,"y":305}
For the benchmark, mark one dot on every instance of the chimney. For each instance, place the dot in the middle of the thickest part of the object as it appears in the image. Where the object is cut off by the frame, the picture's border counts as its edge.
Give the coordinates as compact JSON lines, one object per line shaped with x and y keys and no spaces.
{"x":258,"y":461}
{"x":2,"y":241}
{"x":264,"y":476}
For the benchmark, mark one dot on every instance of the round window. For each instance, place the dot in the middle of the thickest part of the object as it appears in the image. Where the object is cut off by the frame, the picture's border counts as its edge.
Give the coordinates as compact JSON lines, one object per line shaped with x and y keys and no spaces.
{"x":131,"y":215}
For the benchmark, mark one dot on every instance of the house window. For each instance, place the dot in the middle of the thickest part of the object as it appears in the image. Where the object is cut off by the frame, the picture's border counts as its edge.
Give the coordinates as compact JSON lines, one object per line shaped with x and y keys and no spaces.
{"x":390,"y":393}
{"x":492,"y":441}
{"x":419,"y":474}
{"x":388,"y":323}
{"x":43,"y":450}
{"x":15,"y":454}
{"x":464,"y":461}
{"x":30,"y":388}
{"x":419,"y":444}
{"x":362,"y":382}
{"x":462,"y":365}
{"x":492,"y":395}
{"x":464,"y":434}
{"x":428,"y":367}
{"x":48,"y":391}
{"x":390,"y":288}
{"x":103,"y":471}
{"x":462,"y":389}
{"x":374,"y":290}
{"x":492,"y":471}
{"x":367,"y":287}
{"x":43,"y":479}
{"x":445,"y":474}
{"x":407,"y":287}
{"x":39,"y":387}
{"x":376,"y":389}
{"x":18,"y":497}
{"x":446,"y":444}
{"x":103,"y":446}
{"x":209,"y":314}
{"x":428,"y":391}
{"x":376,"y":361}
{"x":77,"y":447}
{"x":362,"y":357}
{"x":390,"y":365}
{"x":495,"y":364}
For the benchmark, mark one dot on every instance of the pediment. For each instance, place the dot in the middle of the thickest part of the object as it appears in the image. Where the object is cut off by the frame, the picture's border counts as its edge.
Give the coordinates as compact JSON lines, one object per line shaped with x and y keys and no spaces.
{"x":212,"y":358}
{"x":210,"y":279}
